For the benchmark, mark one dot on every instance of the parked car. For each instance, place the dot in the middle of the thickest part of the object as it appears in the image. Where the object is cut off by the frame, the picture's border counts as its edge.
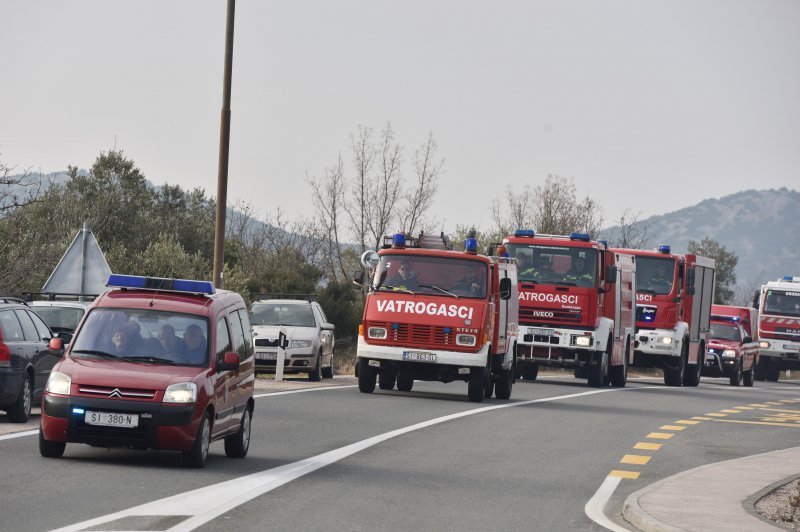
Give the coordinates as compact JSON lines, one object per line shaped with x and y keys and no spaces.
{"x":61,"y":316}
{"x":154,"y":364}
{"x":310,"y":336}
{"x":25,"y":358}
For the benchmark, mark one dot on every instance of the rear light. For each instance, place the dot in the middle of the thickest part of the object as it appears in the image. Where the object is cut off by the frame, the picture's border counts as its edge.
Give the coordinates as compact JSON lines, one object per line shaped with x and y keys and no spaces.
{"x":5,"y":355}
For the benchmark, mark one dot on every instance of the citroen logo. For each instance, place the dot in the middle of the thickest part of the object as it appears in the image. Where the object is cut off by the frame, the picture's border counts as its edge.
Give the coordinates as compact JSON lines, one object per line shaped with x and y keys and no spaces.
{"x":115,"y":393}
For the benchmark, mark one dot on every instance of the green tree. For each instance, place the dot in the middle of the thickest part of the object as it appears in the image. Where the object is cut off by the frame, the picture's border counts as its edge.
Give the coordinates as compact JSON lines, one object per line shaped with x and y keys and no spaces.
{"x":725,"y":266}
{"x":343,"y":307}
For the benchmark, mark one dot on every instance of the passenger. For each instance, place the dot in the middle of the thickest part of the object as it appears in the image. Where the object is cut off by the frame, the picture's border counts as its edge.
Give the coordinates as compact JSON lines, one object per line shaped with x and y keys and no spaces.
{"x":579,"y":273}
{"x":543,"y":270}
{"x":195,"y":343}
{"x":469,"y":285}
{"x":405,"y":278}
{"x":169,"y":342}
{"x":120,"y":345}
{"x":133,"y":332}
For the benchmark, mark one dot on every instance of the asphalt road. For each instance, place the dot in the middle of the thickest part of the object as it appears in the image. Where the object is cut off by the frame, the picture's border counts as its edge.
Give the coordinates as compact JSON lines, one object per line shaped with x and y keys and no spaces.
{"x":328,"y":459}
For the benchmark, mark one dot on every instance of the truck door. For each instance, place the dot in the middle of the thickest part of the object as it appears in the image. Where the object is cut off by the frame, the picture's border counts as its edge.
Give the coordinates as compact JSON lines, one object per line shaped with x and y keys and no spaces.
{"x":502,"y":318}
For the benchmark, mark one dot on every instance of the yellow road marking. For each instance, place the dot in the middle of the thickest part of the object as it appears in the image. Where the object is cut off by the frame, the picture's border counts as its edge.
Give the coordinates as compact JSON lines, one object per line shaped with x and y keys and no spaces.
{"x":660,"y":435}
{"x":637,"y":459}
{"x":702,"y":418}
{"x":744,"y":408}
{"x":624,"y":474}
{"x":774,"y":403}
{"x":787,"y":400}
{"x":758,"y":405}
{"x":671,"y":427}
{"x":758,"y":423}
{"x":730,"y":411}
{"x":781,"y":410}
{"x":714,"y":414}
{"x":687,"y":422}
{"x":646,"y":446}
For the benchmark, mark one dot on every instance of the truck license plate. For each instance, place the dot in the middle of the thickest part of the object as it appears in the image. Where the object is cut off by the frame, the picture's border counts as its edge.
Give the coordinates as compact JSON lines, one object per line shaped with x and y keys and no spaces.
{"x":267,"y":355}
{"x":108,"y":419}
{"x":419,"y":356}
{"x":541,"y":332}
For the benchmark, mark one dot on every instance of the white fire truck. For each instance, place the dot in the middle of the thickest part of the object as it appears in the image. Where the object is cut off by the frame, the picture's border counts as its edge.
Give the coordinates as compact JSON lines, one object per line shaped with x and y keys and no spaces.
{"x":577,"y":306}
{"x":435,"y":314}
{"x":674,"y":294}
{"x":778,"y":327}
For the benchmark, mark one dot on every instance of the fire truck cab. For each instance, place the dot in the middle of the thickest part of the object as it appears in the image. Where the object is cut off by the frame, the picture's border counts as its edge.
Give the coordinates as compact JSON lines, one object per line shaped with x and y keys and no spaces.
{"x":577,"y":306}
{"x":778,"y":327}
{"x":435,"y":314}
{"x":674,"y":295}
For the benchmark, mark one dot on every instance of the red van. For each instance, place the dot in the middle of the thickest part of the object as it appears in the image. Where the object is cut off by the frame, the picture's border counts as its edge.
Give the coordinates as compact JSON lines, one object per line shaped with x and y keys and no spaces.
{"x":154,"y":364}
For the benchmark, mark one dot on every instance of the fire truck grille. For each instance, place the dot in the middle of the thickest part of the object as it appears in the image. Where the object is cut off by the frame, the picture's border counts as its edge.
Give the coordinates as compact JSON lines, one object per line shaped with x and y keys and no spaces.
{"x":537,"y":315}
{"x":418,"y":336}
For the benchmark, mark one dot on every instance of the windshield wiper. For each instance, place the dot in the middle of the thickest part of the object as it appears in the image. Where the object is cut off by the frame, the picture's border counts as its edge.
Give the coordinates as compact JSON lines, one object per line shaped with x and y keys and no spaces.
{"x":93,"y":352}
{"x":442,"y":290}
{"x":646,"y":291}
{"x":401,"y":290}
{"x":150,"y":359}
{"x":564,"y":283}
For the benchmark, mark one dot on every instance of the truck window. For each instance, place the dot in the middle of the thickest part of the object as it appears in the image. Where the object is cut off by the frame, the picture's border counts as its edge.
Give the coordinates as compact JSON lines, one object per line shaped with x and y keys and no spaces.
{"x":655,"y":275}
{"x":441,"y":276}
{"x":572,"y":266}
{"x":782,"y":302}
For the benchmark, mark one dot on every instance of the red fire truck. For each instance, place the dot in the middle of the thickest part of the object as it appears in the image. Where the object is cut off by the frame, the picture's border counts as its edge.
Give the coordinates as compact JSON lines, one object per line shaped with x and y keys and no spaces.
{"x":674,"y":295}
{"x":778,"y":327}
{"x":435,"y":314}
{"x":732,"y":346}
{"x":577,"y":306}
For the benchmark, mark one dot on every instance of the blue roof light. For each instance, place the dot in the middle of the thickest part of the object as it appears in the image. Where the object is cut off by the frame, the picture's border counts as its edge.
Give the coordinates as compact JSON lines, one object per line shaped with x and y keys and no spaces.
{"x":471,"y":245}
{"x":157,"y":283}
{"x":525,"y":232}
{"x":399,"y":240}
{"x":583,"y":237}
{"x":603,"y":242}
{"x":663,"y":248}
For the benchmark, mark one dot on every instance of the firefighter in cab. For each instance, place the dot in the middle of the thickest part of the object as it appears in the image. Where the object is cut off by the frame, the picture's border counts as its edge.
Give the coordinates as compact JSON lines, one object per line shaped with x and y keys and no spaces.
{"x":579,"y":273}
{"x":404,"y":278}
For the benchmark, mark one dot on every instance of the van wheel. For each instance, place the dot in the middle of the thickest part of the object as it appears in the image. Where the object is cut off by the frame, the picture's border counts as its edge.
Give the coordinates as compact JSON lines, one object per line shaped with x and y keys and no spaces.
{"x":50,"y":449}
{"x":20,"y":410}
{"x":477,"y":384}
{"x":237,"y":445}
{"x":366,"y":376}
{"x":198,"y":455}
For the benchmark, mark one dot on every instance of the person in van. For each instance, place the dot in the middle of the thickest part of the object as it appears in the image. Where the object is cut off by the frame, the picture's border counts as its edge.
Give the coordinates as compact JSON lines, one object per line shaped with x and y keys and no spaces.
{"x":195,"y":343}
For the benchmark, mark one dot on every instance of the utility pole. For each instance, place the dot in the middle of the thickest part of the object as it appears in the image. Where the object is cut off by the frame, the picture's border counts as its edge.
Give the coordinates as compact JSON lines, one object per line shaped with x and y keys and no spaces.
{"x":224,"y":150}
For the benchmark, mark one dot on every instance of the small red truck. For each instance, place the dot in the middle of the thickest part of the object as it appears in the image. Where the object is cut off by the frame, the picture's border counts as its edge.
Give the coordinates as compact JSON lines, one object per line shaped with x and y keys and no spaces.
{"x":732,"y":349}
{"x":778,"y":327}
{"x":674,"y":294}
{"x":577,"y":306}
{"x":435,"y":314}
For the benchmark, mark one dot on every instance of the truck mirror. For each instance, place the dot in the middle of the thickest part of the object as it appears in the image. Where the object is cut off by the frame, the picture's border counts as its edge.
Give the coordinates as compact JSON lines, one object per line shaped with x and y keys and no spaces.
{"x":690,"y":290}
{"x":505,"y":288}
{"x":756,"y":298}
{"x":370,"y":259}
{"x":611,"y":274}
{"x":747,"y":339}
{"x":358,"y":277}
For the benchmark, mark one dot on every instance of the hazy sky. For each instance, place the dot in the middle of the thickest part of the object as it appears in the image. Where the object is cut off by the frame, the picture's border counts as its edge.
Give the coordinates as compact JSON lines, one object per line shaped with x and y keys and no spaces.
{"x":652,"y":106}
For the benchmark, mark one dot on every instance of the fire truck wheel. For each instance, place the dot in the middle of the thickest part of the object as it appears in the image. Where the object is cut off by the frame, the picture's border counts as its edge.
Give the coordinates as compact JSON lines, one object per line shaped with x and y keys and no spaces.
{"x":386,"y":378}
{"x":736,"y":378}
{"x":477,"y":384}
{"x":366,"y":376}
{"x":599,"y":371}
{"x":748,"y":377}
{"x":691,"y":375}
{"x":760,"y":372}
{"x":505,"y":381}
{"x":530,"y":372}
{"x":674,"y":376}
{"x":773,"y":372}
{"x":404,"y":380}
{"x":619,"y":374}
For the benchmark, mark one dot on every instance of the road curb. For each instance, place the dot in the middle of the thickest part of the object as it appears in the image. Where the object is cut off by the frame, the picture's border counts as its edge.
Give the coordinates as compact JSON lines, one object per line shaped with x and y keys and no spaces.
{"x":635,"y":514}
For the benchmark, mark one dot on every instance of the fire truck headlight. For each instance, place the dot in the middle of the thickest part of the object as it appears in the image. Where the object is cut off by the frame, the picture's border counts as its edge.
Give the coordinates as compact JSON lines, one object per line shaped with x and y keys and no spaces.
{"x":466,"y":339}
{"x":666,"y":340}
{"x":583,"y":341}
{"x":729,"y":353}
{"x":378,"y":333}
{"x":763,"y":344}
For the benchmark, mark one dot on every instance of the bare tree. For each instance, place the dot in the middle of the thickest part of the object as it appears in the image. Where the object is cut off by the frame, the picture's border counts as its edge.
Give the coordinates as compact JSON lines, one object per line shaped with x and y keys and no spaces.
{"x":364,"y":155}
{"x":419,"y":199}
{"x":328,"y":198}
{"x":16,"y":190}
{"x":512,"y":211}
{"x":632,"y":231}
{"x":384,"y":195}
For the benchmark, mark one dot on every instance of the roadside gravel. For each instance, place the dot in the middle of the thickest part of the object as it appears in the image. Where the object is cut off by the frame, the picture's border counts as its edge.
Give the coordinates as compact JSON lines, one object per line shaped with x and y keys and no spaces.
{"x":777,"y":505}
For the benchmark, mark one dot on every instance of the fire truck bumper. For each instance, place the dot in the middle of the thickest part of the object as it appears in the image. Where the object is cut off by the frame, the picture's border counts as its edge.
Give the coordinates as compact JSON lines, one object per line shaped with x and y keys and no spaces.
{"x":557,"y":338}
{"x":433,"y":356}
{"x":660,"y":342}
{"x":779,"y":349}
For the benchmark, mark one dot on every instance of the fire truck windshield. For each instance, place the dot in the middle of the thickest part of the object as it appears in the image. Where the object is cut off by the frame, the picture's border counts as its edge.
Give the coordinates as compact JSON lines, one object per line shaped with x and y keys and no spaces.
{"x":782,"y":303}
{"x":443,"y":276}
{"x":655,"y":275}
{"x":724,"y":331}
{"x":564,"y":265}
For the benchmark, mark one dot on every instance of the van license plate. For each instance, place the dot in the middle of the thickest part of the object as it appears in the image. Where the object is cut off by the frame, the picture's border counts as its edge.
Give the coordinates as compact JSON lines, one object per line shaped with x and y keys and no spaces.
{"x":419,"y":356}
{"x":269,"y":355}
{"x":108,"y":419}
{"x":541,"y":332}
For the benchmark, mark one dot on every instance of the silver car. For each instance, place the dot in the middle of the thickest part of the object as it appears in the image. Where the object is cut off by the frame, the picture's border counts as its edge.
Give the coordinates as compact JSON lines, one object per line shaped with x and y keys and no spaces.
{"x":310,"y":337}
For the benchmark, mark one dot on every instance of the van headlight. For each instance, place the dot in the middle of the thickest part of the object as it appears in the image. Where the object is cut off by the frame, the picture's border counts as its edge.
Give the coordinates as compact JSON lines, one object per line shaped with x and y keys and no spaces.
{"x":729,"y":353}
{"x":58,"y":383}
{"x":466,"y":339}
{"x":182,"y":392}
{"x":379,"y":333}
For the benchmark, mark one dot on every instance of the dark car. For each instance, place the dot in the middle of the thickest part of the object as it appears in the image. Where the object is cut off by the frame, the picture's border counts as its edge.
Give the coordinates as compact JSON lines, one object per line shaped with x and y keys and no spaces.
{"x":25,"y":358}
{"x":155,"y":364}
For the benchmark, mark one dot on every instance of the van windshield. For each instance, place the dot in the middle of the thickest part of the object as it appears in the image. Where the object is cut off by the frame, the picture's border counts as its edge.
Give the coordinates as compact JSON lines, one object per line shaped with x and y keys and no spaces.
{"x":143,"y":336}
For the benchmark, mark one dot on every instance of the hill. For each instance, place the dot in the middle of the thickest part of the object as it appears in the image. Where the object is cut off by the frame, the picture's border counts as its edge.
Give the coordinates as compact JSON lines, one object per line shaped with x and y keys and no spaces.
{"x":761,"y":226}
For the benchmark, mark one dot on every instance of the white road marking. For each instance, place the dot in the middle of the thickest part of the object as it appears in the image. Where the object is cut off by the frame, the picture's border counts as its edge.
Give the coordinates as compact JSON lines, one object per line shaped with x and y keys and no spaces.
{"x":19,"y":434}
{"x":270,"y":394}
{"x":595,"y":507}
{"x":208,"y":503}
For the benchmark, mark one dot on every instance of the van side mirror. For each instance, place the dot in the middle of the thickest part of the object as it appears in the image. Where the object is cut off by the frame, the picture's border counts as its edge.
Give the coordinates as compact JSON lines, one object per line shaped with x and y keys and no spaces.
{"x":505,"y":288}
{"x":229,"y":362}
{"x":611,"y":274}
